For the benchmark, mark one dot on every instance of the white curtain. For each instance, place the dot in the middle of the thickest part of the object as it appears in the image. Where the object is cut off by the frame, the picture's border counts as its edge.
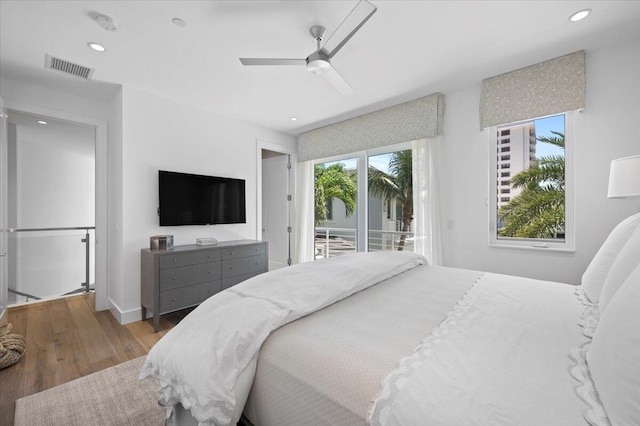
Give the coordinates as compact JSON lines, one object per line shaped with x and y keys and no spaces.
{"x":426,"y":199}
{"x":305,"y":212}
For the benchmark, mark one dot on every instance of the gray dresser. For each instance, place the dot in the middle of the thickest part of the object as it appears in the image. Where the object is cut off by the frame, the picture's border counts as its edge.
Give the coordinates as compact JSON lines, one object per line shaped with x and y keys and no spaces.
{"x":187,"y":275}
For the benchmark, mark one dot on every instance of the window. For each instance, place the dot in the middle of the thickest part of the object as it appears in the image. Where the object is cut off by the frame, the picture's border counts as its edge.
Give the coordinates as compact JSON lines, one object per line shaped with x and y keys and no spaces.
{"x":370,"y":196}
{"x":505,"y":149}
{"x":506,"y":132}
{"x":505,"y":157}
{"x":539,"y":211}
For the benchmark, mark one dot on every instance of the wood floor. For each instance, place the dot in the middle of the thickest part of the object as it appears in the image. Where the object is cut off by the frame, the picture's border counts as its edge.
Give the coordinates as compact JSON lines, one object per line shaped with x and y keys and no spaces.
{"x":67,"y":339}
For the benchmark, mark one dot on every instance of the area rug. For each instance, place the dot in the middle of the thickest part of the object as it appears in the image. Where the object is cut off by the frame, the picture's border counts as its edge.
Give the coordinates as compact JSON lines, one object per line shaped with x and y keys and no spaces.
{"x":113,"y":396}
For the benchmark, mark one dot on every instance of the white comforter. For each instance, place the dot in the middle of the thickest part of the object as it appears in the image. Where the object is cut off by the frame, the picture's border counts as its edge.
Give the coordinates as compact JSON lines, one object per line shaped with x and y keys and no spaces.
{"x":499,"y":358}
{"x":200,"y":360}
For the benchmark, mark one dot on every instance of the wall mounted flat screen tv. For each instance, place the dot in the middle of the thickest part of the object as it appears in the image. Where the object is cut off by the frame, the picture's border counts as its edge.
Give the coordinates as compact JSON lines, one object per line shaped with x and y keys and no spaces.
{"x":187,"y":199}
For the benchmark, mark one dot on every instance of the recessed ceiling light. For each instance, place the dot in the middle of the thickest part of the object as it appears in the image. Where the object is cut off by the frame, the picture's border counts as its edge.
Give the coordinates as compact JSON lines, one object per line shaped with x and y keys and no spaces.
{"x":42,"y":122}
{"x":580,"y":15}
{"x":293,"y":118}
{"x":179,"y":22}
{"x":96,"y":46}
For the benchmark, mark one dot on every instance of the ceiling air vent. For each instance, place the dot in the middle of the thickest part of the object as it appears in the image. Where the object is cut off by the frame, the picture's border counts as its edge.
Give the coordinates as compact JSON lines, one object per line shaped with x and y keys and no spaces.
{"x":68,"y":67}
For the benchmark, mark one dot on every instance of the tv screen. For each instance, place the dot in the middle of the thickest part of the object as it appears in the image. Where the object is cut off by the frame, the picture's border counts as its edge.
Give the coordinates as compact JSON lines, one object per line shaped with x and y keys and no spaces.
{"x":187,"y":199}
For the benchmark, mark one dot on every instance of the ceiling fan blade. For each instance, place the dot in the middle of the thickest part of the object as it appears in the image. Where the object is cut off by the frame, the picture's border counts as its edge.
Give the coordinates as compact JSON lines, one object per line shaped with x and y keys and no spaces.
{"x":351,"y":24}
{"x":272,"y":61}
{"x":337,"y":81}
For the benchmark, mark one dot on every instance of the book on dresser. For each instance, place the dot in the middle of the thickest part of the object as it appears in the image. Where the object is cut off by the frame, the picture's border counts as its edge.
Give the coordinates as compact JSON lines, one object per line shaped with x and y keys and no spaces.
{"x":187,"y":275}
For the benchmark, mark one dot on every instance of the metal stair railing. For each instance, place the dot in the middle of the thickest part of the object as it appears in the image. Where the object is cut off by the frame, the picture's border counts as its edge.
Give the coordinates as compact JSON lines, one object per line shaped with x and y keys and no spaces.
{"x":86,"y":286}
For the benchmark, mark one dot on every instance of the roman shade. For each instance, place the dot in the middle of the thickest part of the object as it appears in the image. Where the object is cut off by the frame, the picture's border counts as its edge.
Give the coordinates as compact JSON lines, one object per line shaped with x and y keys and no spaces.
{"x":547,"y":88}
{"x":417,"y":119}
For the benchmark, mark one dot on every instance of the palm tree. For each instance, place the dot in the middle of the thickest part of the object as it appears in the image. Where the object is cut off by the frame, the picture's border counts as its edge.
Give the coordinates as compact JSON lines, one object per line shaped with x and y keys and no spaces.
{"x":333,"y":181}
{"x":538,"y":211}
{"x":398,"y":185}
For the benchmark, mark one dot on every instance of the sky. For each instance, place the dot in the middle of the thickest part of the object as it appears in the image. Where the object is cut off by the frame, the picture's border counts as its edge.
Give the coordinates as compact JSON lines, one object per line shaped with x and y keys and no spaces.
{"x":543,"y":128}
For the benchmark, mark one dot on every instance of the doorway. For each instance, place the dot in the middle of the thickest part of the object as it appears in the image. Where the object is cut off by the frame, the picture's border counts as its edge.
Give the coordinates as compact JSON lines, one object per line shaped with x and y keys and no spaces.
{"x":275,"y":201}
{"x":51,"y":207}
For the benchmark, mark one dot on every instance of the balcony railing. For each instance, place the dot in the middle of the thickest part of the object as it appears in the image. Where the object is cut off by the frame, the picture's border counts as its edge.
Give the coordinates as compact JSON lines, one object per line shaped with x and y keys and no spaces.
{"x":330,"y":242}
{"x":45,"y":263}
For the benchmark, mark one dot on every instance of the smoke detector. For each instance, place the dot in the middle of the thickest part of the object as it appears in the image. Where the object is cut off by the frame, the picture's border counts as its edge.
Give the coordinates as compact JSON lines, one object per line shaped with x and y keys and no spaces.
{"x":107,"y":23}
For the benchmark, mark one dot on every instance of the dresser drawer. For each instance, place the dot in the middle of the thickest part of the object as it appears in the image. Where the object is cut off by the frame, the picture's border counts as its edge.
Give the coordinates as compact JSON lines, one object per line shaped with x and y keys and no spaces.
{"x":233,"y":267}
{"x":231,"y":281}
{"x":257,"y":263}
{"x":191,"y":258}
{"x":180,"y":298}
{"x":188,"y":275}
{"x":209,"y":289}
{"x":243,"y":251}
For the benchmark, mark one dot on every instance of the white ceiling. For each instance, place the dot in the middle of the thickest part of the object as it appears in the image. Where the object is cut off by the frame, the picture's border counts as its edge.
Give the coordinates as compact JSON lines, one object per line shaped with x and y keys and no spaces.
{"x":406,"y":50}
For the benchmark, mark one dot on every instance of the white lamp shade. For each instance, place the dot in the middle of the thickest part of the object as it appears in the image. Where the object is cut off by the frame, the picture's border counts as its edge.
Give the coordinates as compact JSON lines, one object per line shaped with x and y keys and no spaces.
{"x":624,"y":177}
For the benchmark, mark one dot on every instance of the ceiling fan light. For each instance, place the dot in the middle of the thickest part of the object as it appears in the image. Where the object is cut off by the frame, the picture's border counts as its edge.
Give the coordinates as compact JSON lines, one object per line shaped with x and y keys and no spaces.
{"x":318,"y":66}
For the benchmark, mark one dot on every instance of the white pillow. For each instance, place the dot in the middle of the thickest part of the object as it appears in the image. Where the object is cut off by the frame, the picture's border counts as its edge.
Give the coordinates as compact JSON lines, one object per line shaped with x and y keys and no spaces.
{"x":622,"y":266}
{"x":596,"y":273}
{"x":614,"y":355}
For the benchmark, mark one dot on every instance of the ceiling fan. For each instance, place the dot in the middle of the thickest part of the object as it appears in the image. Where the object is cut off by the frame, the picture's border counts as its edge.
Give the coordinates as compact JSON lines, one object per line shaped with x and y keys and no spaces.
{"x":319,"y":62}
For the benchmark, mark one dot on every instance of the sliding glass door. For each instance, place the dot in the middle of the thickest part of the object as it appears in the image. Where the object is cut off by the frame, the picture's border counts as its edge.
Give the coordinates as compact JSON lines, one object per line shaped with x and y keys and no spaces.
{"x":364,"y":202}
{"x":336,"y":207}
{"x":390,"y":204}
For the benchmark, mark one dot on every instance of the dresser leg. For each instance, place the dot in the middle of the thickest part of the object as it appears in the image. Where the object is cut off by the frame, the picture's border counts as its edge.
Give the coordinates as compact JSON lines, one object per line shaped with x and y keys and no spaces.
{"x":144,"y":312}
{"x":156,"y":322}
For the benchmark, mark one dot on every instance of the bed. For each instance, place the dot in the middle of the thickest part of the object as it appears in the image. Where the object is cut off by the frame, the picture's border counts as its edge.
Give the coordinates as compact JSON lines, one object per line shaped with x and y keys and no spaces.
{"x":386,"y":339}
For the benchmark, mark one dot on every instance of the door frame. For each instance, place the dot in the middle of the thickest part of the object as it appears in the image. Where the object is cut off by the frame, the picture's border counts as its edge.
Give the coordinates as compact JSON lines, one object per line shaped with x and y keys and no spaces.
{"x":264,"y":145}
{"x":4,"y":276}
{"x":101,"y":241}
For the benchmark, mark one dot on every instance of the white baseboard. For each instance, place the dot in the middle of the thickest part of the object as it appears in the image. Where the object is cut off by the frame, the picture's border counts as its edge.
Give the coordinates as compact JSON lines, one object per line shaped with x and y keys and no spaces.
{"x":125,"y":317}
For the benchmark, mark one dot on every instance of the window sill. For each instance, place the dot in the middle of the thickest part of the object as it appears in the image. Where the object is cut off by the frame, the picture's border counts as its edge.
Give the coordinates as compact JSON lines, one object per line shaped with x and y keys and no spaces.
{"x":534,"y":248}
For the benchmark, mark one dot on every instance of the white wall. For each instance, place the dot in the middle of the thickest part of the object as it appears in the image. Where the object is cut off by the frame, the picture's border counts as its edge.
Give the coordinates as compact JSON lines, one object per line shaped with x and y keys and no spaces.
{"x":605,"y":130}
{"x":56,"y":171}
{"x":159,"y":133}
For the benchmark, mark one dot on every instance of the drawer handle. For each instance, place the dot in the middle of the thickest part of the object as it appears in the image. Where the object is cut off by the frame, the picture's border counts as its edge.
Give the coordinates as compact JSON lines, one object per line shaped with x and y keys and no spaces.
{"x":209,"y":256}
{"x":230,"y":252}
{"x":231,"y":268}
{"x":174,"y":299}
{"x":174,"y":278}
{"x":175,"y":260}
